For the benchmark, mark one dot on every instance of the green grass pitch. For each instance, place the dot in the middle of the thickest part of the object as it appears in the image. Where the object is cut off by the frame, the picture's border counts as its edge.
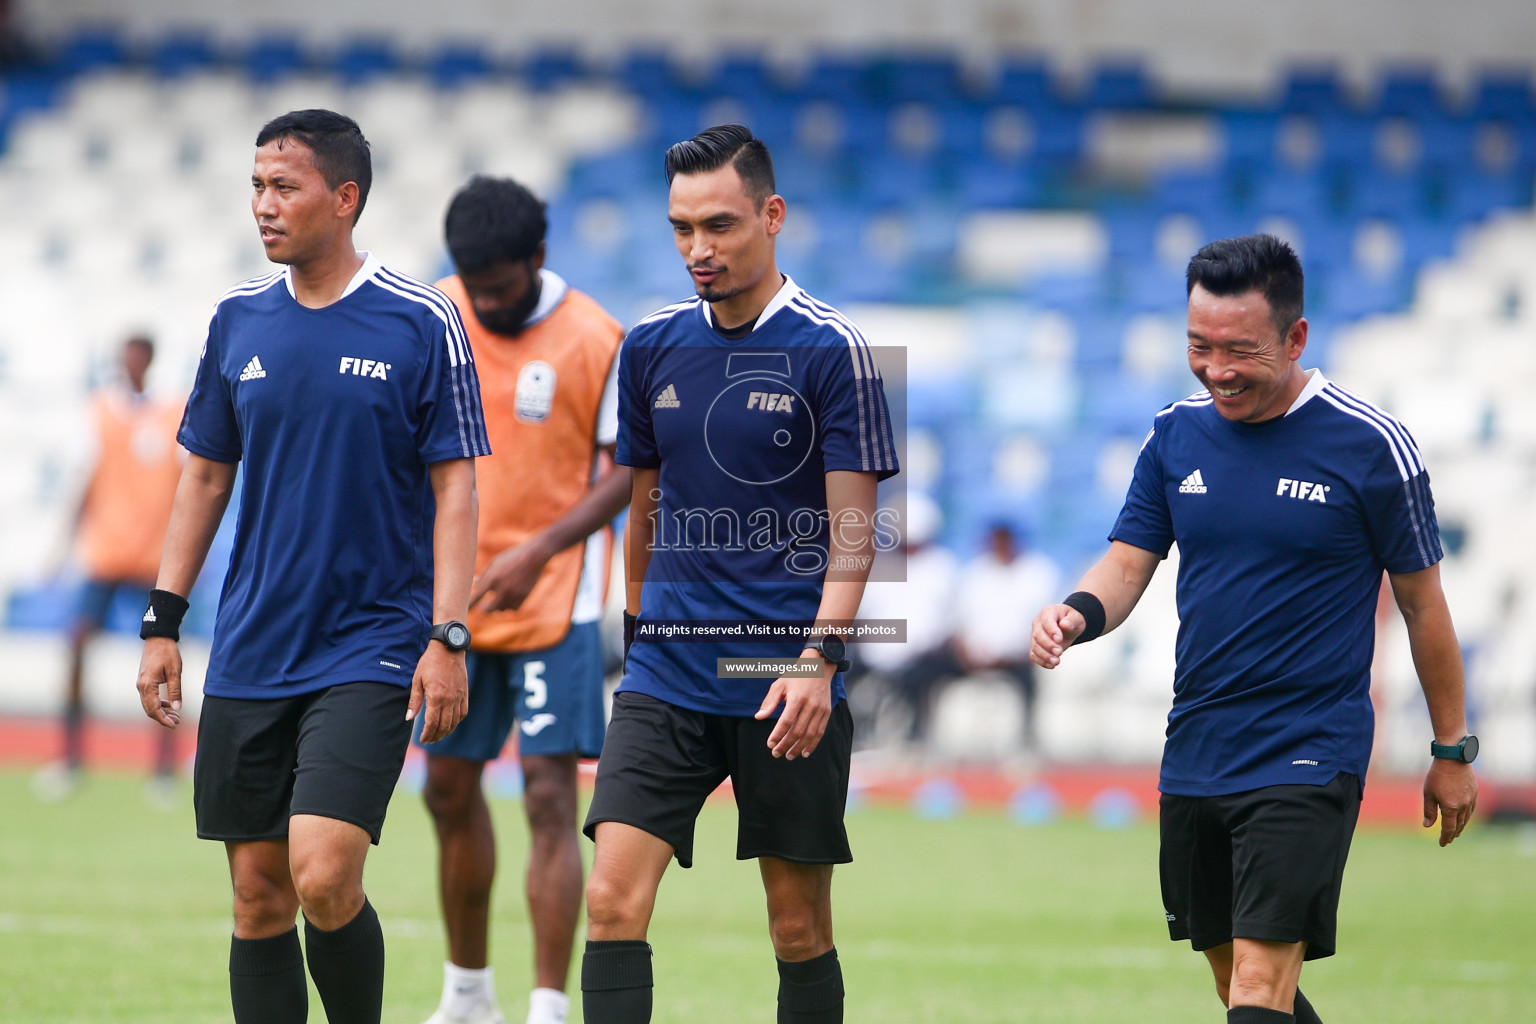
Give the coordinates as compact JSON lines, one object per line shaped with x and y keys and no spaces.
{"x":112,"y":911}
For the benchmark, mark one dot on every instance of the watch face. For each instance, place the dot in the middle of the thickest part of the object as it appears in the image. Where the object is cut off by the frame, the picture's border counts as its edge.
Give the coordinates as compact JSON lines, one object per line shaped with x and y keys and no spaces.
{"x":833,"y":648}
{"x":458,"y":636}
{"x":1469,"y":749}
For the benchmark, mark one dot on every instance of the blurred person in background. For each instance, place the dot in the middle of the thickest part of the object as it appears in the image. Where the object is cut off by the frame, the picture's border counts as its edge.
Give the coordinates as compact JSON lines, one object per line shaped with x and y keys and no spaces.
{"x":1000,"y":590}
{"x":119,"y":528}
{"x":925,"y":600}
{"x":347,"y":393}
{"x":1288,"y":498}
{"x":547,"y":356}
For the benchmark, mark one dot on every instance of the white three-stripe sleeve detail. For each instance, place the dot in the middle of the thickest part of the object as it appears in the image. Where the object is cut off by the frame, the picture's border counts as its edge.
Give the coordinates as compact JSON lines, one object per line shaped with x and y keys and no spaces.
{"x":861,"y":398}
{"x":1399,"y":431}
{"x":469,"y":419}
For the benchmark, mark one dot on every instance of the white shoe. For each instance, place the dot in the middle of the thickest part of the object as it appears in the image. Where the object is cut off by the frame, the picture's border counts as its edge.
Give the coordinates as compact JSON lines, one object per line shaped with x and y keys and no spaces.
{"x":548,"y":1006}
{"x":56,"y":782}
{"x":483,"y":1013}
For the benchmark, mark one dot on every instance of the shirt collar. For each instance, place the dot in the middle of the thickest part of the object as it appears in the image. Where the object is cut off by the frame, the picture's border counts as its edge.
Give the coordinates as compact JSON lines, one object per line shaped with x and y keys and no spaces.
{"x":781,"y":298}
{"x":370,"y":266}
{"x":552,"y":292}
{"x":1315,"y":383}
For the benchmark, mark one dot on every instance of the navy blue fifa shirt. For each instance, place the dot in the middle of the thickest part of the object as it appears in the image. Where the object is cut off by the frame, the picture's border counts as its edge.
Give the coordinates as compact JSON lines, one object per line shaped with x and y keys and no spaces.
{"x":336,"y":413}
{"x":742,"y":432}
{"x":1284,"y":528}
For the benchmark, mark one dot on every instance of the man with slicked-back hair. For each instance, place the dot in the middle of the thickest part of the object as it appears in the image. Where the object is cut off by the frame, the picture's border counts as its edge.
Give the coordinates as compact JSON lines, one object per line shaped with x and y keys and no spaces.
{"x":755,"y":421}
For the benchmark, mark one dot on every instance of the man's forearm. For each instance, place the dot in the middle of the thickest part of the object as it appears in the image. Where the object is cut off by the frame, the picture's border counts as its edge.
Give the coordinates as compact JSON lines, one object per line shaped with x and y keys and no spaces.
{"x":202,"y":495}
{"x":1437,"y":660}
{"x":1118,"y":580}
{"x":639,"y":535}
{"x":604,"y":500}
{"x":453,"y":537}
{"x":850,"y":544}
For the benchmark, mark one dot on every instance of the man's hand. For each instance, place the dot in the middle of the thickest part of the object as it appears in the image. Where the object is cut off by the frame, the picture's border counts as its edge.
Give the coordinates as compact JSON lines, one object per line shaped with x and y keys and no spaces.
{"x":159,"y":666}
{"x":1450,"y":789}
{"x":807,"y":704}
{"x":1055,"y":628}
{"x":508,"y":580}
{"x":440,"y":691}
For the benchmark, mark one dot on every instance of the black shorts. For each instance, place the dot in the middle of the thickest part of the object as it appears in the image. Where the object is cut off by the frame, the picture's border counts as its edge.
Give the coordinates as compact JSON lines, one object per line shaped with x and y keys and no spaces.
{"x":336,"y":753}
{"x":660,"y":762}
{"x":1266,"y":864}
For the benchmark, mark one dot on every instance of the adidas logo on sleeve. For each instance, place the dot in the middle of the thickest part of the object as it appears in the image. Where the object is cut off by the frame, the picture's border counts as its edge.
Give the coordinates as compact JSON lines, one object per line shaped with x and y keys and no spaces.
{"x":253,"y":369}
{"x":668,"y":398}
{"x":1192,"y":484}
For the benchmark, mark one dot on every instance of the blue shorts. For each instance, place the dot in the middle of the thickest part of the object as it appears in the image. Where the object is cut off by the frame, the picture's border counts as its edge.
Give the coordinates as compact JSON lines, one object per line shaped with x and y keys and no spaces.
{"x":555,"y":696}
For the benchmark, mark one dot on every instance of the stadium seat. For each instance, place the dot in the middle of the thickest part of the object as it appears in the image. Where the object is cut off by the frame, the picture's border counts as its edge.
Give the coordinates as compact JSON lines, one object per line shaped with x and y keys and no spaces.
{"x":182,"y":53}
{"x":1504,"y":94}
{"x":271,"y":58}
{"x":1314,"y":90}
{"x":1118,"y":85}
{"x":456,"y":64}
{"x":1026,"y":81}
{"x":92,"y":49}
{"x":1410,"y":91}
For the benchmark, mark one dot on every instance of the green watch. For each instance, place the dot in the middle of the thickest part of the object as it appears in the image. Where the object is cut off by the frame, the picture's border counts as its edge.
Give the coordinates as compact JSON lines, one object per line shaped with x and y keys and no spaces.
{"x":1465,"y":751}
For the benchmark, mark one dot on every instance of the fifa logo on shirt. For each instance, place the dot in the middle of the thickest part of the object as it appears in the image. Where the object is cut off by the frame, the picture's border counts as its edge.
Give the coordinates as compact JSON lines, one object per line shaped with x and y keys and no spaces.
{"x":1302,"y":490}
{"x":771,"y":402}
{"x":365,"y":367}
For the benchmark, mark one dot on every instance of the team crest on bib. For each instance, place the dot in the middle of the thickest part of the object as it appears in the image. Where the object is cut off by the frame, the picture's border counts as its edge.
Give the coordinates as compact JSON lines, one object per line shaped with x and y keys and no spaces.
{"x":535,"y":392}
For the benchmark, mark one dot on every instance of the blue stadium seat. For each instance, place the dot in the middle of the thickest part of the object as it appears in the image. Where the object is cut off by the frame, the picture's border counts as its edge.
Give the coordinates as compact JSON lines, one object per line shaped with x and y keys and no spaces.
{"x":1204,"y":191}
{"x":992,"y":183}
{"x":1395,"y":195}
{"x":839,"y":77}
{"x":181,"y":52}
{"x":456,"y":64}
{"x":888,"y":178}
{"x":1447,"y":141}
{"x":962,"y":127}
{"x":1058,"y":133}
{"x":743,"y":73}
{"x":1346,"y":137}
{"x":649,"y":74}
{"x":1504,"y":94}
{"x":917,"y":77}
{"x":1249,"y":135}
{"x":92,"y":48}
{"x":273,"y":57}
{"x":1410,"y":91}
{"x":553,"y":66}
{"x":366,"y":58}
{"x":1475,"y":194}
{"x":1025,"y":80}
{"x":1291,"y":193}
{"x":1314,"y":90}
{"x":1351,"y":294}
{"x":808,"y":177}
{"x":1119,"y":85}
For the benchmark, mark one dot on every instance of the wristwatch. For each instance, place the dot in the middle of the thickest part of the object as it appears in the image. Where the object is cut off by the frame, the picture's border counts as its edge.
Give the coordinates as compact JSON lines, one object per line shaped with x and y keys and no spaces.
{"x":1465,"y":751}
{"x":452,"y":635}
{"x":832,"y":649}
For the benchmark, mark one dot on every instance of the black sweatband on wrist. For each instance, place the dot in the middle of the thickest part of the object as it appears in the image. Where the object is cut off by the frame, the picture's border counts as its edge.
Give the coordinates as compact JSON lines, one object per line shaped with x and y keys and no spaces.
{"x":629,"y":632}
{"x":1092,"y":611}
{"x":163,"y":616}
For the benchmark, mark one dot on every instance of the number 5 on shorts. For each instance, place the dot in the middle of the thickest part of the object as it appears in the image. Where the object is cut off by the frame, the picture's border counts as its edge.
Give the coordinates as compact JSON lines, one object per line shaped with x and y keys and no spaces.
{"x":534,"y":685}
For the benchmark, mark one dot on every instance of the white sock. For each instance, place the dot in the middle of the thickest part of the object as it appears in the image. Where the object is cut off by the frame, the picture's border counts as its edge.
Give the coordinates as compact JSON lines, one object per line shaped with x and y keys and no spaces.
{"x":465,"y":988}
{"x":547,"y":1006}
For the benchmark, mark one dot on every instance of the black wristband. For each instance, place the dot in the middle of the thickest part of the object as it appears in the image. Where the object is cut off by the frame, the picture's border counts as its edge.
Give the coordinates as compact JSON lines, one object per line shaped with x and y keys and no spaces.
{"x":629,"y":633}
{"x":163,"y":616}
{"x":1092,"y":610}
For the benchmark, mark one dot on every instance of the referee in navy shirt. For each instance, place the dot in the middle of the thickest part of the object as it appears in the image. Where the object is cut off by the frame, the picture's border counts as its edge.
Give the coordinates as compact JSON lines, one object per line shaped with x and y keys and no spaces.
{"x":1288,"y":497}
{"x":755,"y":420}
{"x":348,"y":393}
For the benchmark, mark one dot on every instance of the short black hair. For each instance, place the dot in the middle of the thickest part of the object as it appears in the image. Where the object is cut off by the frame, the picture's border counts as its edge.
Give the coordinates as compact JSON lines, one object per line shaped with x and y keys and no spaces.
{"x":341,"y":152}
{"x":1264,"y":263}
{"x":141,"y":340}
{"x":715,"y":147}
{"x":491,"y":221}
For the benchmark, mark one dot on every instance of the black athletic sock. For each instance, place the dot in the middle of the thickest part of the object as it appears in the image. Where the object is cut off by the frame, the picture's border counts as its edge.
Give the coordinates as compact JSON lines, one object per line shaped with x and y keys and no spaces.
{"x":1258,"y":1015}
{"x":348,"y":967}
{"x":616,"y":982}
{"x":1304,"y":1012}
{"x":266,"y":980}
{"x":811,"y":991}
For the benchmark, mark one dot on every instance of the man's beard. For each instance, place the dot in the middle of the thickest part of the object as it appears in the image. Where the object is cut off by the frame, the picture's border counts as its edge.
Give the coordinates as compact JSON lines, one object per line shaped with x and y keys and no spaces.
{"x":510,"y":320}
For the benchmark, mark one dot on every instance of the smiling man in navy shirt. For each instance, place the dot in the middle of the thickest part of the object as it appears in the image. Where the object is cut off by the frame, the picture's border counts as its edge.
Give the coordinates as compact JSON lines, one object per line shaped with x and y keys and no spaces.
{"x":1288,"y":497}
{"x":349,"y":394}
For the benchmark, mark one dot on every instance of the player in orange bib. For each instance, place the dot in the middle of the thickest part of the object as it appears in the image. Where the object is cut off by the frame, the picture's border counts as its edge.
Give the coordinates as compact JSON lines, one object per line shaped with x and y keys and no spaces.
{"x":547,"y":357}
{"x":122,"y":519}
